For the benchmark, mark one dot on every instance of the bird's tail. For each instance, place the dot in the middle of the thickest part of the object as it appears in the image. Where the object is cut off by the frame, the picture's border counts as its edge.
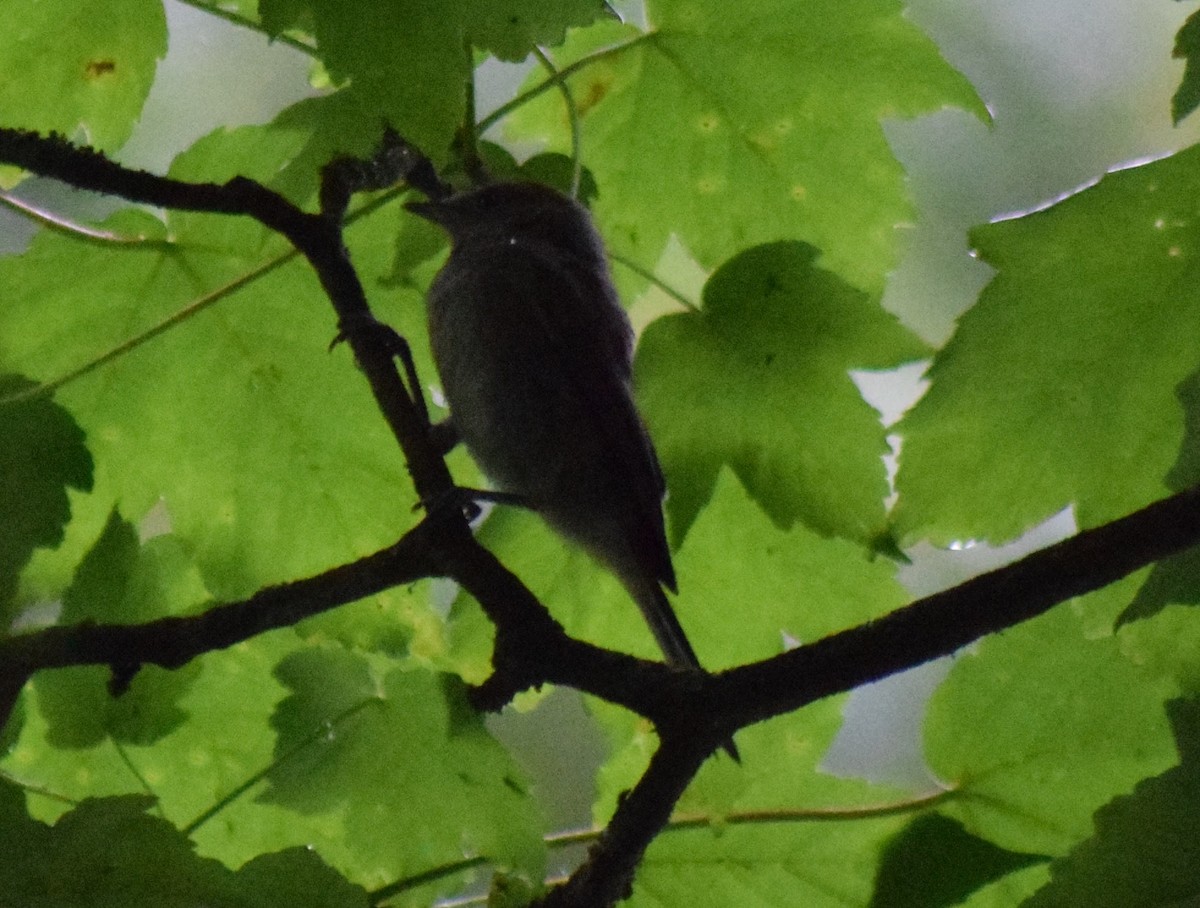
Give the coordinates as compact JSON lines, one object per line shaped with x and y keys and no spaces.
{"x":671,"y":639}
{"x":666,"y":627}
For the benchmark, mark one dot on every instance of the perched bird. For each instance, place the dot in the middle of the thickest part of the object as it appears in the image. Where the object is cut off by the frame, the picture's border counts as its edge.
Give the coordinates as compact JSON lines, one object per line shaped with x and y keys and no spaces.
{"x":534,"y":353}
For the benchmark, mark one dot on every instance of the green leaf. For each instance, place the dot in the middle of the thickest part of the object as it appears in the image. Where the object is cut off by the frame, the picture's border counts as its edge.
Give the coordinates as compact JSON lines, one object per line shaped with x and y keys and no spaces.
{"x":1037,"y":727}
{"x":934,"y":862}
{"x":401,"y":63}
{"x":817,"y":864}
{"x":408,"y":764}
{"x":107,"y":853}
{"x":743,"y":597}
{"x":511,"y":28}
{"x":1146,"y":847}
{"x":1187,"y":47}
{"x":1060,"y":385}
{"x":266,"y":449}
{"x":42,"y":454}
{"x":119,"y":582}
{"x":771,"y":119}
{"x":1176,"y":579}
{"x":65,"y":69}
{"x":759,"y":380}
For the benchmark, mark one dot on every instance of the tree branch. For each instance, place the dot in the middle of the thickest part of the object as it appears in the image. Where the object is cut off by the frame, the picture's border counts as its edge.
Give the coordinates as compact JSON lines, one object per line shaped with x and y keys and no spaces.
{"x":318,"y":237}
{"x":694,"y":713}
{"x":175,"y":641}
{"x":935,"y":626}
{"x":940,"y":624}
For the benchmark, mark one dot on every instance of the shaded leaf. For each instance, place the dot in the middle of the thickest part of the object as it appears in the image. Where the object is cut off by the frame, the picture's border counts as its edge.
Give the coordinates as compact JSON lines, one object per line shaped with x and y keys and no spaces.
{"x":1146,"y":848}
{"x":42,"y":454}
{"x":759,"y":380}
{"x":1037,"y":727}
{"x":511,"y":28}
{"x":1187,"y":47}
{"x":121,"y":582}
{"x":773,"y":118}
{"x":935,"y":863}
{"x":1060,"y":385}
{"x":400,"y":63}
{"x":408,"y":765}
{"x":107,"y":853}
{"x":1176,"y":579}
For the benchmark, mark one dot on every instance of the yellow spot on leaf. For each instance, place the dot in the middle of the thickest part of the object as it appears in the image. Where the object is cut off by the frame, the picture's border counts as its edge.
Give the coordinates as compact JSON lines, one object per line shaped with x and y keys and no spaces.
{"x":764,"y":140}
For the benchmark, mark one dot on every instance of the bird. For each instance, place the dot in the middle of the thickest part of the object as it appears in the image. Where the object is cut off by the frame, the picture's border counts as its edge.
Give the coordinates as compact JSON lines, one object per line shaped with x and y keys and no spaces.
{"x":535,"y":352}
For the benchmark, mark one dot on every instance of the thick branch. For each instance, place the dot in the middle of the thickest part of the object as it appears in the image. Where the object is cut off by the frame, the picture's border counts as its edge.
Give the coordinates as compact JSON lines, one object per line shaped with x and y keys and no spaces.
{"x":942,"y":623}
{"x":693,"y":713}
{"x":532,"y":649}
{"x":606,"y":876}
{"x":935,"y":626}
{"x":173,"y":642}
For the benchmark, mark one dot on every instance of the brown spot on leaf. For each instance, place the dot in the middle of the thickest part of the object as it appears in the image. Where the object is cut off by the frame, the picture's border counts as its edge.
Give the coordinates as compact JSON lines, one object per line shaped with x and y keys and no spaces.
{"x":99,"y":68}
{"x":594,"y":94}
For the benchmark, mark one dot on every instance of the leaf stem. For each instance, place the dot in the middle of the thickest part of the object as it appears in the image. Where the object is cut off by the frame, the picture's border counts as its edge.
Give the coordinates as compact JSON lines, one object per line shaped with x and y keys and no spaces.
{"x":246,"y":22}
{"x":71,"y":228}
{"x":40,"y":790}
{"x":323,"y":730}
{"x":572,"y":118}
{"x":662,"y":285}
{"x":46,"y":388}
{"x":123,"y":753}
{"x":509,"y":106}
{"x":681,"y":822}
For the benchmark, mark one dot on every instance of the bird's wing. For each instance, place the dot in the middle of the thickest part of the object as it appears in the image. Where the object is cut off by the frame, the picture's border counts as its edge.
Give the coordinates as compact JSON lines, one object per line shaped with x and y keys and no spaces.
{"x":573,"y":323}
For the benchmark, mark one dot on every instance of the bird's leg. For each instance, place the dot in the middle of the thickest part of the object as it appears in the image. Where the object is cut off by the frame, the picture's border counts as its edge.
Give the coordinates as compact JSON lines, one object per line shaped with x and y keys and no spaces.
{"x":396,"y":346}
{"x":443,"y":435}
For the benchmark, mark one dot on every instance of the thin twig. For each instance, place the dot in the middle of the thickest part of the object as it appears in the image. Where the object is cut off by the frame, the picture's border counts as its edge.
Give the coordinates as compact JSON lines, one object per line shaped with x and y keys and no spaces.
{"x":185,"y":312}
{"x":572,"y":119}
{"x":238,"y":19}
{"x":566,"y":72}
{"x":72,"y":228}
{"x":44,"y":389}
{"x":239,"y":790}
{"x":654,"y":279}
